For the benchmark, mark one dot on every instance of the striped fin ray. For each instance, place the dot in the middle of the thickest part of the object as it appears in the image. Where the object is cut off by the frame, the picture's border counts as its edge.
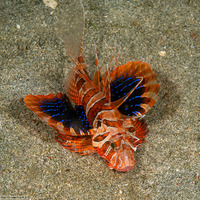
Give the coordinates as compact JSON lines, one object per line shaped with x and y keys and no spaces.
{"x":77,"y":78}
{"x":70,"y":123}
{"x":78,"y":144}
{"x":96,"y":79}
{"x":98,"y":75}
{"x":125,"y":78}
{"x":71,"y":89}
{"x":70,"y":29}
{"x":106,"y":79}
{"x":141,"y":130}
{"x":106,"y":85}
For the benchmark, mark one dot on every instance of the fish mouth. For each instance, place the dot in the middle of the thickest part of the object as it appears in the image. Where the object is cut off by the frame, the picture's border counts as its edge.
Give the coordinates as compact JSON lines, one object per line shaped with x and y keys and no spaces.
{"x":123,"y":160}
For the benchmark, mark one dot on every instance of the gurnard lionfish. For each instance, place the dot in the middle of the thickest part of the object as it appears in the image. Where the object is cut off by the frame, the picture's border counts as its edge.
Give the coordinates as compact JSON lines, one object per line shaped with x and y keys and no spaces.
{"x":102,"y":115}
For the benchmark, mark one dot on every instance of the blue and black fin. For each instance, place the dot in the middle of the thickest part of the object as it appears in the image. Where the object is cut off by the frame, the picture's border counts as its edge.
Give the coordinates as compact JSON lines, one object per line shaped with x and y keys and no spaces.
{"x":136,"y":75}
{"x":70,"y":123}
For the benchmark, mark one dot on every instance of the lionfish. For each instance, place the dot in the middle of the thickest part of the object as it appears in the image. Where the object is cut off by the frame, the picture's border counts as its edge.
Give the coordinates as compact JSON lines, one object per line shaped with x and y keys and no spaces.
{"x":102,"y":115}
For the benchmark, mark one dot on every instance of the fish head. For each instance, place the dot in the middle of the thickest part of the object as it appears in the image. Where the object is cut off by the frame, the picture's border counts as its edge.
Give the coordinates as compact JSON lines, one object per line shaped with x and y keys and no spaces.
{"x":116,"y":144}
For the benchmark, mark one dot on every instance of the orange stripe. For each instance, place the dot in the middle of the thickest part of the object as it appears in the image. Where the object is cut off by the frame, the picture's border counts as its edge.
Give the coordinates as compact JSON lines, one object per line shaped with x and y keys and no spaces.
{"x":87,"y":96}
{"x":94,"y":110}
{"x":80,"y":83}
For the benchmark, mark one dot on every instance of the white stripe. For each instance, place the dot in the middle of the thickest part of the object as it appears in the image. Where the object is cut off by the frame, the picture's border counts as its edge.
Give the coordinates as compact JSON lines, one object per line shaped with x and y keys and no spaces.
{"x":152,"y":95}
{"x":78,"y":79}
{"x":108,"y":151}
{"x":93,"y":100}
{"x":100,"y":143}
{"x":146,"y":107}
{"x":83,"y":91}
{"x":72,"y":131}
{"x":114,"y":155}
{"x":99,"y":113}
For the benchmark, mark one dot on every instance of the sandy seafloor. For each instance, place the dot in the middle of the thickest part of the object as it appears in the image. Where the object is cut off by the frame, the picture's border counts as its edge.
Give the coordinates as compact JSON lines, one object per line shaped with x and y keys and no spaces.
{"x":33,"y":61}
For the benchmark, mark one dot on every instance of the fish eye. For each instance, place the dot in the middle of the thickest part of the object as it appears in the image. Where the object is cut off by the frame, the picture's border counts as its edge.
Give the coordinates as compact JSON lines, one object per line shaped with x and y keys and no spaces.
{"x":98,"y":123}
{"x":115,"y":145}
{"x":112,"y":145}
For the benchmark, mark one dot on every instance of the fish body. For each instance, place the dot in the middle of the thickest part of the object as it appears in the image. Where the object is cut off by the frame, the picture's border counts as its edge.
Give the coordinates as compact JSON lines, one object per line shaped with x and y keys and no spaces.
{"x":104,"y":121}
{"x":108,"y":114}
